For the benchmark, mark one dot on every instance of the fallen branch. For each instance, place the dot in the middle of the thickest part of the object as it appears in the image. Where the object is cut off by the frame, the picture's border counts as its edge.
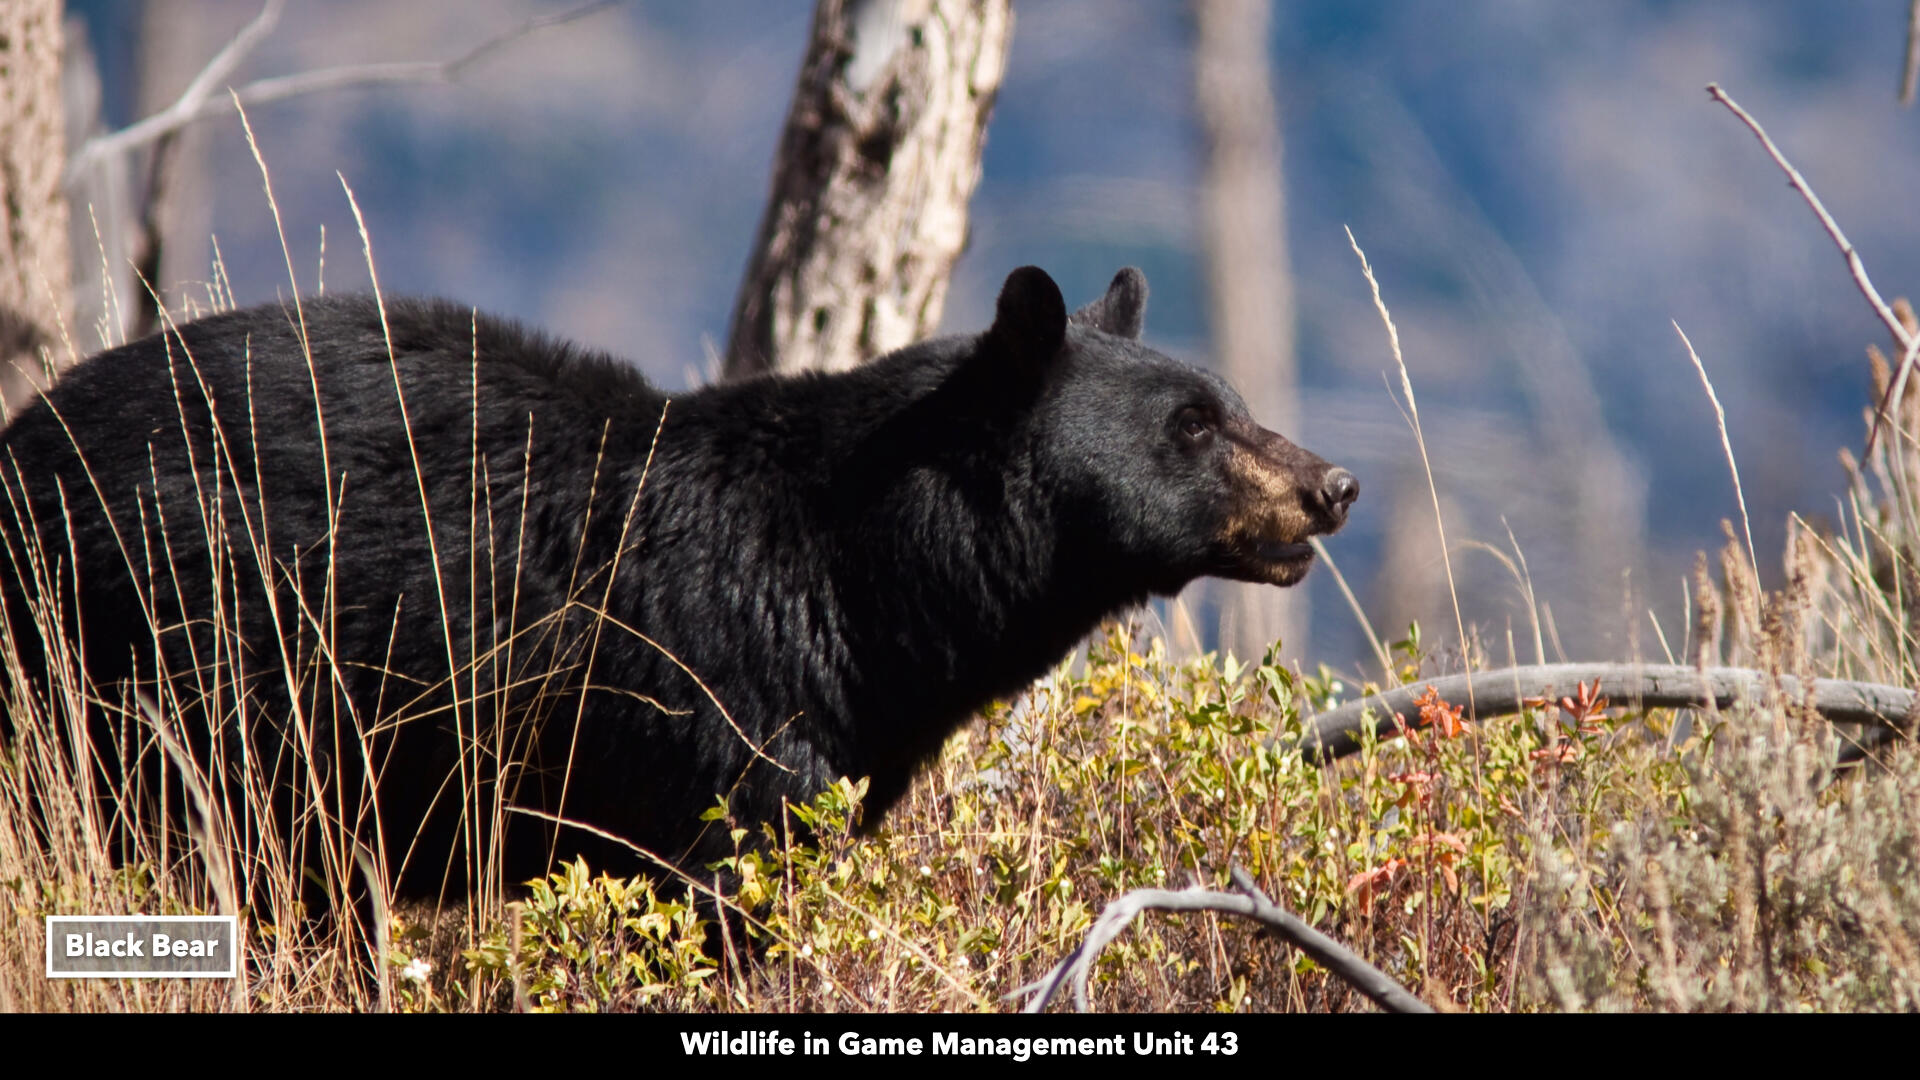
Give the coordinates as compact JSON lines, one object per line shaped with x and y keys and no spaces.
{"x":1249,"y":903}
{"x":1339,"y":732}
{"x":1909,"y":343}
{"x":198,"y":101}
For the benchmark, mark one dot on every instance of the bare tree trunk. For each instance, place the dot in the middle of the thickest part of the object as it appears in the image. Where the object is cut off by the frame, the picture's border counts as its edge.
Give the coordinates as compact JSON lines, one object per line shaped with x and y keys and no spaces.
{"x":169,"y":234}
{"x":97,"y":206}
{"x":1244,"y":227}
{"x":35,"y":286}
{"x":869,"y":203}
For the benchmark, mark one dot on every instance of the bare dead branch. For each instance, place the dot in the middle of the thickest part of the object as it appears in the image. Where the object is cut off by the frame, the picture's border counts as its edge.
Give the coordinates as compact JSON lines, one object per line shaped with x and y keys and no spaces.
{"x":197,"y":103}
{"x":1249,"y":903}
{"x":1338,"y":732}
{"x":1910,"y":72}
{"x":196,"y":97}
{"x":1907,"y":341}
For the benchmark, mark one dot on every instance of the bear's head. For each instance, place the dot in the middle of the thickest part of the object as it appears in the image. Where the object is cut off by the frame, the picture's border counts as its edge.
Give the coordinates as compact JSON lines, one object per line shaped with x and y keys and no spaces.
{"x":1158,"y":466}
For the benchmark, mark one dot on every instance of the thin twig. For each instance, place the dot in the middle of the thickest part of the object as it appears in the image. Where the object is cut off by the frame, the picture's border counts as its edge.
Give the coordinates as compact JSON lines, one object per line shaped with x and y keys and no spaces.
{"x":1726,"y":443}
{"x":1910,"y":72}
{"x":196,"y":104}
{"x":1799,"y":183}
{"x":1896,"y":390}
{"x":1249,"y":903}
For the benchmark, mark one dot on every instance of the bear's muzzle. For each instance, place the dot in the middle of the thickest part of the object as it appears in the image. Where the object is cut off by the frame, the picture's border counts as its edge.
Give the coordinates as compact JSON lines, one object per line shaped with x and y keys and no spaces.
{"x":1282,"y":496}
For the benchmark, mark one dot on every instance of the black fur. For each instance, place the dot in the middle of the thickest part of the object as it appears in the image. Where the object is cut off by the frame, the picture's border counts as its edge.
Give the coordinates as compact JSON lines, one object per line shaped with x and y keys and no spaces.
{"x":851,"y":564}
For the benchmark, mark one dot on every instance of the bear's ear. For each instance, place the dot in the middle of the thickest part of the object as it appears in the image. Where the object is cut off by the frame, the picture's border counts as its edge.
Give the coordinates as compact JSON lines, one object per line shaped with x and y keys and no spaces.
{"x":1123,"y":311}
{"x":1030,"y":320}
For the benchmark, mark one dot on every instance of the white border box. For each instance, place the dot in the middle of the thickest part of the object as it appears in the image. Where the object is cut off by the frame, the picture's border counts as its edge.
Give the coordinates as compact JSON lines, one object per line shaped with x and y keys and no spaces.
{"x":141,"y":929}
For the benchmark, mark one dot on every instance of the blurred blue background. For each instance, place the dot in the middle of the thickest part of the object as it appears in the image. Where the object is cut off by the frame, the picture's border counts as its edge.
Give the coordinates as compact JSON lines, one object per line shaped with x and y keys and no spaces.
{"x":1543,"y":190}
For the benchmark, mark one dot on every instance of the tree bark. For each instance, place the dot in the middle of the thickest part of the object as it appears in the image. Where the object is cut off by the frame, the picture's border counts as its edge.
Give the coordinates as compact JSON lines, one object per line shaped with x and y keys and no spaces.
{"x":1244,"y":238}
{"x":868,"y":210}
{"x":36,"y":297}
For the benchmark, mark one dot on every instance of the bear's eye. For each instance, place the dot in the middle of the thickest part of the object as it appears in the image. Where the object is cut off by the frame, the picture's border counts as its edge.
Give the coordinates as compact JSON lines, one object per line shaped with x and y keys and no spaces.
{"x":1194,"y":423}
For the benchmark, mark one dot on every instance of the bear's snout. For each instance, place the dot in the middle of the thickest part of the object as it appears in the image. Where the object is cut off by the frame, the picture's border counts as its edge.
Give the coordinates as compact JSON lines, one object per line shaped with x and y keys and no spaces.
{"x":1283,"y":497}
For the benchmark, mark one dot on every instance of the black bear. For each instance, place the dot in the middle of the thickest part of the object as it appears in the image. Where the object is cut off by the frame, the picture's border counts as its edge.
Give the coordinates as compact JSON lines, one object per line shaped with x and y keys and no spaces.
{"x":415,"y":571}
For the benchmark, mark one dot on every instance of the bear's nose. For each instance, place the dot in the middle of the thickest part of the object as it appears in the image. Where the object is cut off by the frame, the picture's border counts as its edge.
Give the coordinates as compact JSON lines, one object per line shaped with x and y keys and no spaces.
{"x":1338,"y":489}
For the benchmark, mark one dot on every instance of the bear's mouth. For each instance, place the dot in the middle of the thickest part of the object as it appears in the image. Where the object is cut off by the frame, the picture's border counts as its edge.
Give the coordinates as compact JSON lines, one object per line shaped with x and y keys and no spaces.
{"x":1276,"y":552}
{"x":1269,"y":562}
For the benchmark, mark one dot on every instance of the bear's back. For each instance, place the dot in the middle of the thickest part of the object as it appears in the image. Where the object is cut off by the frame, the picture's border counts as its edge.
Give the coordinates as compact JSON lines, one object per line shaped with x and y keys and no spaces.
{"x":257,"y":354}
{"x":175,"y":468}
